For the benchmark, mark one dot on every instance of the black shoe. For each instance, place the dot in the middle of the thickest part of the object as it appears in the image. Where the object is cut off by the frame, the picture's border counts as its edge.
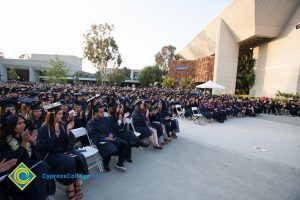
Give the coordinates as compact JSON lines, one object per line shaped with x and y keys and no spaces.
{"x":158,"y":147}
{"x":106,"y":167}
{"x":174,"y":135}
{"x":129,"y":160}
{"x":144,"y":145}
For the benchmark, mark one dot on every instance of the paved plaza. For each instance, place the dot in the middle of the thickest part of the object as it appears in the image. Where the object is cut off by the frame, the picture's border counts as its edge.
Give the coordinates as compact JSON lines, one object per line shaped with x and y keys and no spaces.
{"x":244,"y":158}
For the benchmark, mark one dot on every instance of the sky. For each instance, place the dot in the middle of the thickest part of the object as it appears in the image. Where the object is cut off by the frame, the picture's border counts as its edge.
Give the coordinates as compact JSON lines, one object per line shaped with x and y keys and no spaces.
{"x":142,"y":27}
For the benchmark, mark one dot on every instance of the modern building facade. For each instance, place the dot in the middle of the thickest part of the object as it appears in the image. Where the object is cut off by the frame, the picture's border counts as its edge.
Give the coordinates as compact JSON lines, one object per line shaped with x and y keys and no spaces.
{"x":269,"y":28}
{"x":33,"y":69}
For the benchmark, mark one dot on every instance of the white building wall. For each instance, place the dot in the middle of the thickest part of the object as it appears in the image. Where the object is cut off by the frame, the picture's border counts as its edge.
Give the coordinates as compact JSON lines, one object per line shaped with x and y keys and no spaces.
{"x":278,"y":62}
{"x":72,"y":62}
{"x":226,"y":59}
{"x":3,"y":73}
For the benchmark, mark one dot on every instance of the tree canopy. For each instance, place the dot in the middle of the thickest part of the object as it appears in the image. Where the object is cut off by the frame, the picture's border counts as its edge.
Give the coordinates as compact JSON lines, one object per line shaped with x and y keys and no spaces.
{"x":150,"y":74}
{"x":12,"y":74}
{"x":245,"y":74}
{"x":169,"y":83}
{"x":164,"y":56}
{"x":76,"y":78}
{"x":186,"y":83}
{"x":117,"y":76}
{"x":101,"y":48}
{"x":98,"y":76}
{"x":24,"y":57}
{"x":57,"y":73}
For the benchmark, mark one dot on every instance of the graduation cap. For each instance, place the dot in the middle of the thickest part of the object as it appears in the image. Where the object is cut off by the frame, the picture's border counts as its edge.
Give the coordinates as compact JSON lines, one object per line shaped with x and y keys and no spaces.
{"x":91,"y":99}
{"x":36,"y":107}
{"x":27,"y":101}
{"x":8,"y":102}
{"x":147,"y":101}
{"x":77,"y":94}
{"x":138,"y":102}
{"x":63,"y":102}
{"x":53,"y":107}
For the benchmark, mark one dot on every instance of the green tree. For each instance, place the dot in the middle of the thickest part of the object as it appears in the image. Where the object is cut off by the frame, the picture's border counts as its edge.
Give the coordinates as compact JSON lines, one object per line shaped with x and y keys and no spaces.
{"x":101,"y":48}
{"x":186,"y":83}
{"x":98,"y":77}
{"x":117,"y":76}
{"x":164,"y":56}
{"x":12,"y":74}
{"x":76,"y":78}
{"x":169,"y":83}
{"x":127,"y":72}
{"x":57,"y":73}
{"x":150,"y":74}
{"x":1,"y":55}
{"x":24,"y":57}
{"x":245,"y":74}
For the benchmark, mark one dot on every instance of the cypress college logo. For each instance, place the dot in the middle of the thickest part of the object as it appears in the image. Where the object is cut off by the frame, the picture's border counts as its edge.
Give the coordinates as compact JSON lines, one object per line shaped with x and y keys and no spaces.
{"x":22,"y":176}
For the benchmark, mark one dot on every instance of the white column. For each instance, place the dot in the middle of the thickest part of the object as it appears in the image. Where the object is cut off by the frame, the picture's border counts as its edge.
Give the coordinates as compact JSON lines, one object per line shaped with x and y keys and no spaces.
{"x":32,"y":75}
{"x":3,"y":73}
{"x":226,"y":59}
{"x":131,"y":74}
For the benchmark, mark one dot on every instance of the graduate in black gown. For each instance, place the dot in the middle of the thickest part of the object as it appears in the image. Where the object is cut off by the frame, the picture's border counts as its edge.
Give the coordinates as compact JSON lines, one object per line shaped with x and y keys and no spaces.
{"x":119,"y":126}
{"x":56,"y":144}
{"x":141,"y":123}
{"x":35,"y":120}
{"x":108,"y":144}
{"x":168,"y":121}
{"x":19,"y":145}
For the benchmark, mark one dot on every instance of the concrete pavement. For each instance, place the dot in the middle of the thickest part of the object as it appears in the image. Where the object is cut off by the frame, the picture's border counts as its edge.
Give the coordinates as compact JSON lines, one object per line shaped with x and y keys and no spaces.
{"x":214,"y":161}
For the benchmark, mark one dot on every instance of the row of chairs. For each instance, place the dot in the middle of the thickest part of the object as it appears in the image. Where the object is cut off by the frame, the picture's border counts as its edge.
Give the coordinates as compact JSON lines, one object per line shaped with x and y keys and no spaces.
{"x":196,"y":116}
{"x":91,"y":152}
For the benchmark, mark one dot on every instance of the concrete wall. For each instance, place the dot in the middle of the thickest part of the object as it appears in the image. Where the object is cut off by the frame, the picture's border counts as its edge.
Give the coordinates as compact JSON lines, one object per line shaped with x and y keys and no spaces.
{"x":3,"y":72}
{"x":226,"y":59}
{"x":72,"y":62}
{"x":278,"y":62}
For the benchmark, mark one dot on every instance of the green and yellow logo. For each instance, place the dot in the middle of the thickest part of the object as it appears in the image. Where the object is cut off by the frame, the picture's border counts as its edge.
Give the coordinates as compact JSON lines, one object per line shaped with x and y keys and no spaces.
{"x":22,"y":176}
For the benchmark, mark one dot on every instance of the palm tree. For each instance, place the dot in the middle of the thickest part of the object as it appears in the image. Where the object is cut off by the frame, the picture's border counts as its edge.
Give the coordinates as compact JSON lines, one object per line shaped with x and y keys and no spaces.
{"x":245,"y":74}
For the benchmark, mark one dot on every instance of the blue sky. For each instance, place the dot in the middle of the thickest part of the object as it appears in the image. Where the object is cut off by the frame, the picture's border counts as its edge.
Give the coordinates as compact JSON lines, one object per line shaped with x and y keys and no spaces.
{"x":142,"y":27}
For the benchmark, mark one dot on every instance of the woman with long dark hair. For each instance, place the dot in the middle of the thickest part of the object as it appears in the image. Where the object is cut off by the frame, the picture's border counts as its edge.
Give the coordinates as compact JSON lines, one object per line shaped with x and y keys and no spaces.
{"x":168,"y":121}
{"x":139,"y":121}
{"x":20,"y":145}
{"x":118,"y":124}
{"x":56,"y":144}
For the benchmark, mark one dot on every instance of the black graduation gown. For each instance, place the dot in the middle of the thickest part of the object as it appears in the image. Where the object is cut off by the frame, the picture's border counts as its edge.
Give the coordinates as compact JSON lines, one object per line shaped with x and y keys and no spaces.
{"x":139,"y":123}
{"x":54,"y":150}
{"x":170,"y":124}
{"x":39,"y":188}
{"x":157,"y":126}
{"x":35,"y":124}
{"x":122,"y":132}
{"x":98,"y":130}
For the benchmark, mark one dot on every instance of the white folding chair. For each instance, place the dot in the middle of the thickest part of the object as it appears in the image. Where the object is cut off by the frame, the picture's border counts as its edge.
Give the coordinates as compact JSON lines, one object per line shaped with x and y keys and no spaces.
{"x":197,"y":117}
{"x":180,"y":111}
{"x":129,"y":122}
{"x":89,"y":151}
